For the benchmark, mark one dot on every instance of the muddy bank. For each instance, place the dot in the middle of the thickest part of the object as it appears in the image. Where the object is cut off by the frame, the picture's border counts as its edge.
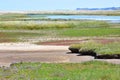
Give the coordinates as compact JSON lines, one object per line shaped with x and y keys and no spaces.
{"x":23,"y":52}
{"x":69,"y":42}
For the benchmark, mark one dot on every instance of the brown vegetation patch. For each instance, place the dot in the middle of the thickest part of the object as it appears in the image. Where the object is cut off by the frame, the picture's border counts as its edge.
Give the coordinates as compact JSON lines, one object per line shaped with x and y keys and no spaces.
{"x":69,"y":42}
{"x":106,"y":41}
{"x":61,"y":42}
{"x":2,"y":34}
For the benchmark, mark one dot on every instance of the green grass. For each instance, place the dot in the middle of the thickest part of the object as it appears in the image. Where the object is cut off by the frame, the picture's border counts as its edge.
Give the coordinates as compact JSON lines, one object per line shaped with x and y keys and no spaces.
{"x":20,"y":34}
{"x":91,"y":24}
{"x":84,"y":32}
{"x":57,"y":29}
{"x":93,"y":70}
{"x":11,"y":36}
{"x":109,"y":48}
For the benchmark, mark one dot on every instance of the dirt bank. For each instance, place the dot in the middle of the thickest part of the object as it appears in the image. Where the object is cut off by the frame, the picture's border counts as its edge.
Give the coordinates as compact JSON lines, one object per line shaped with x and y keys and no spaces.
{"x":25,"y":52}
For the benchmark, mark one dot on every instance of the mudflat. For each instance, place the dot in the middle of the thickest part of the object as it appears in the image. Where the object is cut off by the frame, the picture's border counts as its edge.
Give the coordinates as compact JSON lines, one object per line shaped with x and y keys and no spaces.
{"x":25,"y":52}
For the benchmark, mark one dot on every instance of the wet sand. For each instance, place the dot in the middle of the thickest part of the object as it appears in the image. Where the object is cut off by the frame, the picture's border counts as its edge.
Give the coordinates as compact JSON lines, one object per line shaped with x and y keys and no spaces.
{"x":25,"y":52}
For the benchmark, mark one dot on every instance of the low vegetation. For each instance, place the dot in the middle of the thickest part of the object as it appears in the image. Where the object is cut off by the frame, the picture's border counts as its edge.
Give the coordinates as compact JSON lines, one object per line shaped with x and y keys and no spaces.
{"x":66,"y":28}
{"x":89,"y":32}
{"x":14,"y":30}
{"x":81,"y":12}
{"x":31,"y":25}
{"x":93,"y":70}
{"x":110,"y":48}
{"x":12,"y":16}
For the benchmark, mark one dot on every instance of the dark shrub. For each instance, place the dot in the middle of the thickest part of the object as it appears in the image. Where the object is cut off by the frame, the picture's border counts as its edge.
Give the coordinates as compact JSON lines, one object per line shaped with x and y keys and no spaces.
{"x":108,"y":56}
{"x":90,"y":52}
{"x":74,"y":50}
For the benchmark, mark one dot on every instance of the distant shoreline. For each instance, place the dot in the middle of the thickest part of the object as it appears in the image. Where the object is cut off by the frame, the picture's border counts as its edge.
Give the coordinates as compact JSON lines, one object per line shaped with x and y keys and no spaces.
{"x":116,"y":12}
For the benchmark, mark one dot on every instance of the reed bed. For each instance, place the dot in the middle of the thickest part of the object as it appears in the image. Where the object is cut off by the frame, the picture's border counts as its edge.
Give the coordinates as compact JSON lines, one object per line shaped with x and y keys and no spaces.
{"x":36,"y":25}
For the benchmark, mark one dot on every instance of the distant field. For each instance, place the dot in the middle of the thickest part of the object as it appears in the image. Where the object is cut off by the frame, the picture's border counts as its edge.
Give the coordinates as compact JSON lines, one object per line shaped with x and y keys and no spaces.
{"x":18,"y":36}
{"x":66,"y":12}
{"x":23,"y":16}
{"x":11,"y":16}
{"x":11,"y":31}
{"x":34,"y":25}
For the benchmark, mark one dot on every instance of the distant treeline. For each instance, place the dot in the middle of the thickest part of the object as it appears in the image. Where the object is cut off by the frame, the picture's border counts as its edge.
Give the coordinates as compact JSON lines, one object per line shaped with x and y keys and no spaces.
{"x":108,"y":8}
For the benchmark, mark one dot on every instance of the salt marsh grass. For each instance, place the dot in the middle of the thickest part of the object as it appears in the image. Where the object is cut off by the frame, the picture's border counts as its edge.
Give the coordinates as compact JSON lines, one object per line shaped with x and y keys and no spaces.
{"x":110,"y":48}
{"x":18,"y":29}
{"x":37,"y":25}
{"x":30,"y":25}
{"x":93,"y":70}
{"x":92,"y":32}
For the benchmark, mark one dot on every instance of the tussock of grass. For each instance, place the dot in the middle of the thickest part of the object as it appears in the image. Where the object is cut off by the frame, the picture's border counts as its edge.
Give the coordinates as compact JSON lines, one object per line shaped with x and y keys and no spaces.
{"x":110,"y":48}
{"x":93,"y":70}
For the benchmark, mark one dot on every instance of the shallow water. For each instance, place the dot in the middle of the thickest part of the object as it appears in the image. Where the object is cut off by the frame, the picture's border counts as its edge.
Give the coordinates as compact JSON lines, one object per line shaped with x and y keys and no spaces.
{"x":80,"y":17}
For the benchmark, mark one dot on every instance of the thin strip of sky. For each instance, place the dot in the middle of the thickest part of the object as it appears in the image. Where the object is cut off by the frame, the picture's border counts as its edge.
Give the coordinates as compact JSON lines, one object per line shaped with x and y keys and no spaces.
{"x":56,"y":4}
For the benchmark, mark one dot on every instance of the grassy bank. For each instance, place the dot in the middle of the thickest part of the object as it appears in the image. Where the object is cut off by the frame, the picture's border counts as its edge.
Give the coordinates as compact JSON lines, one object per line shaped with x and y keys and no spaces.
{"x":70,"y":71}
{"x":99,"y":48}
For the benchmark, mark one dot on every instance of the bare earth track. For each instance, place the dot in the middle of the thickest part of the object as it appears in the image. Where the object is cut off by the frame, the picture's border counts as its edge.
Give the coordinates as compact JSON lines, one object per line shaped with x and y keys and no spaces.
{"x":50,"y":52}
{"x":13,"y":53}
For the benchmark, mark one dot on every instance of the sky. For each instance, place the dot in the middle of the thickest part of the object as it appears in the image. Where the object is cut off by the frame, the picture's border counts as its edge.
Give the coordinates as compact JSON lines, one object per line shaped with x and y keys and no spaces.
{"x":13,"y":5}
